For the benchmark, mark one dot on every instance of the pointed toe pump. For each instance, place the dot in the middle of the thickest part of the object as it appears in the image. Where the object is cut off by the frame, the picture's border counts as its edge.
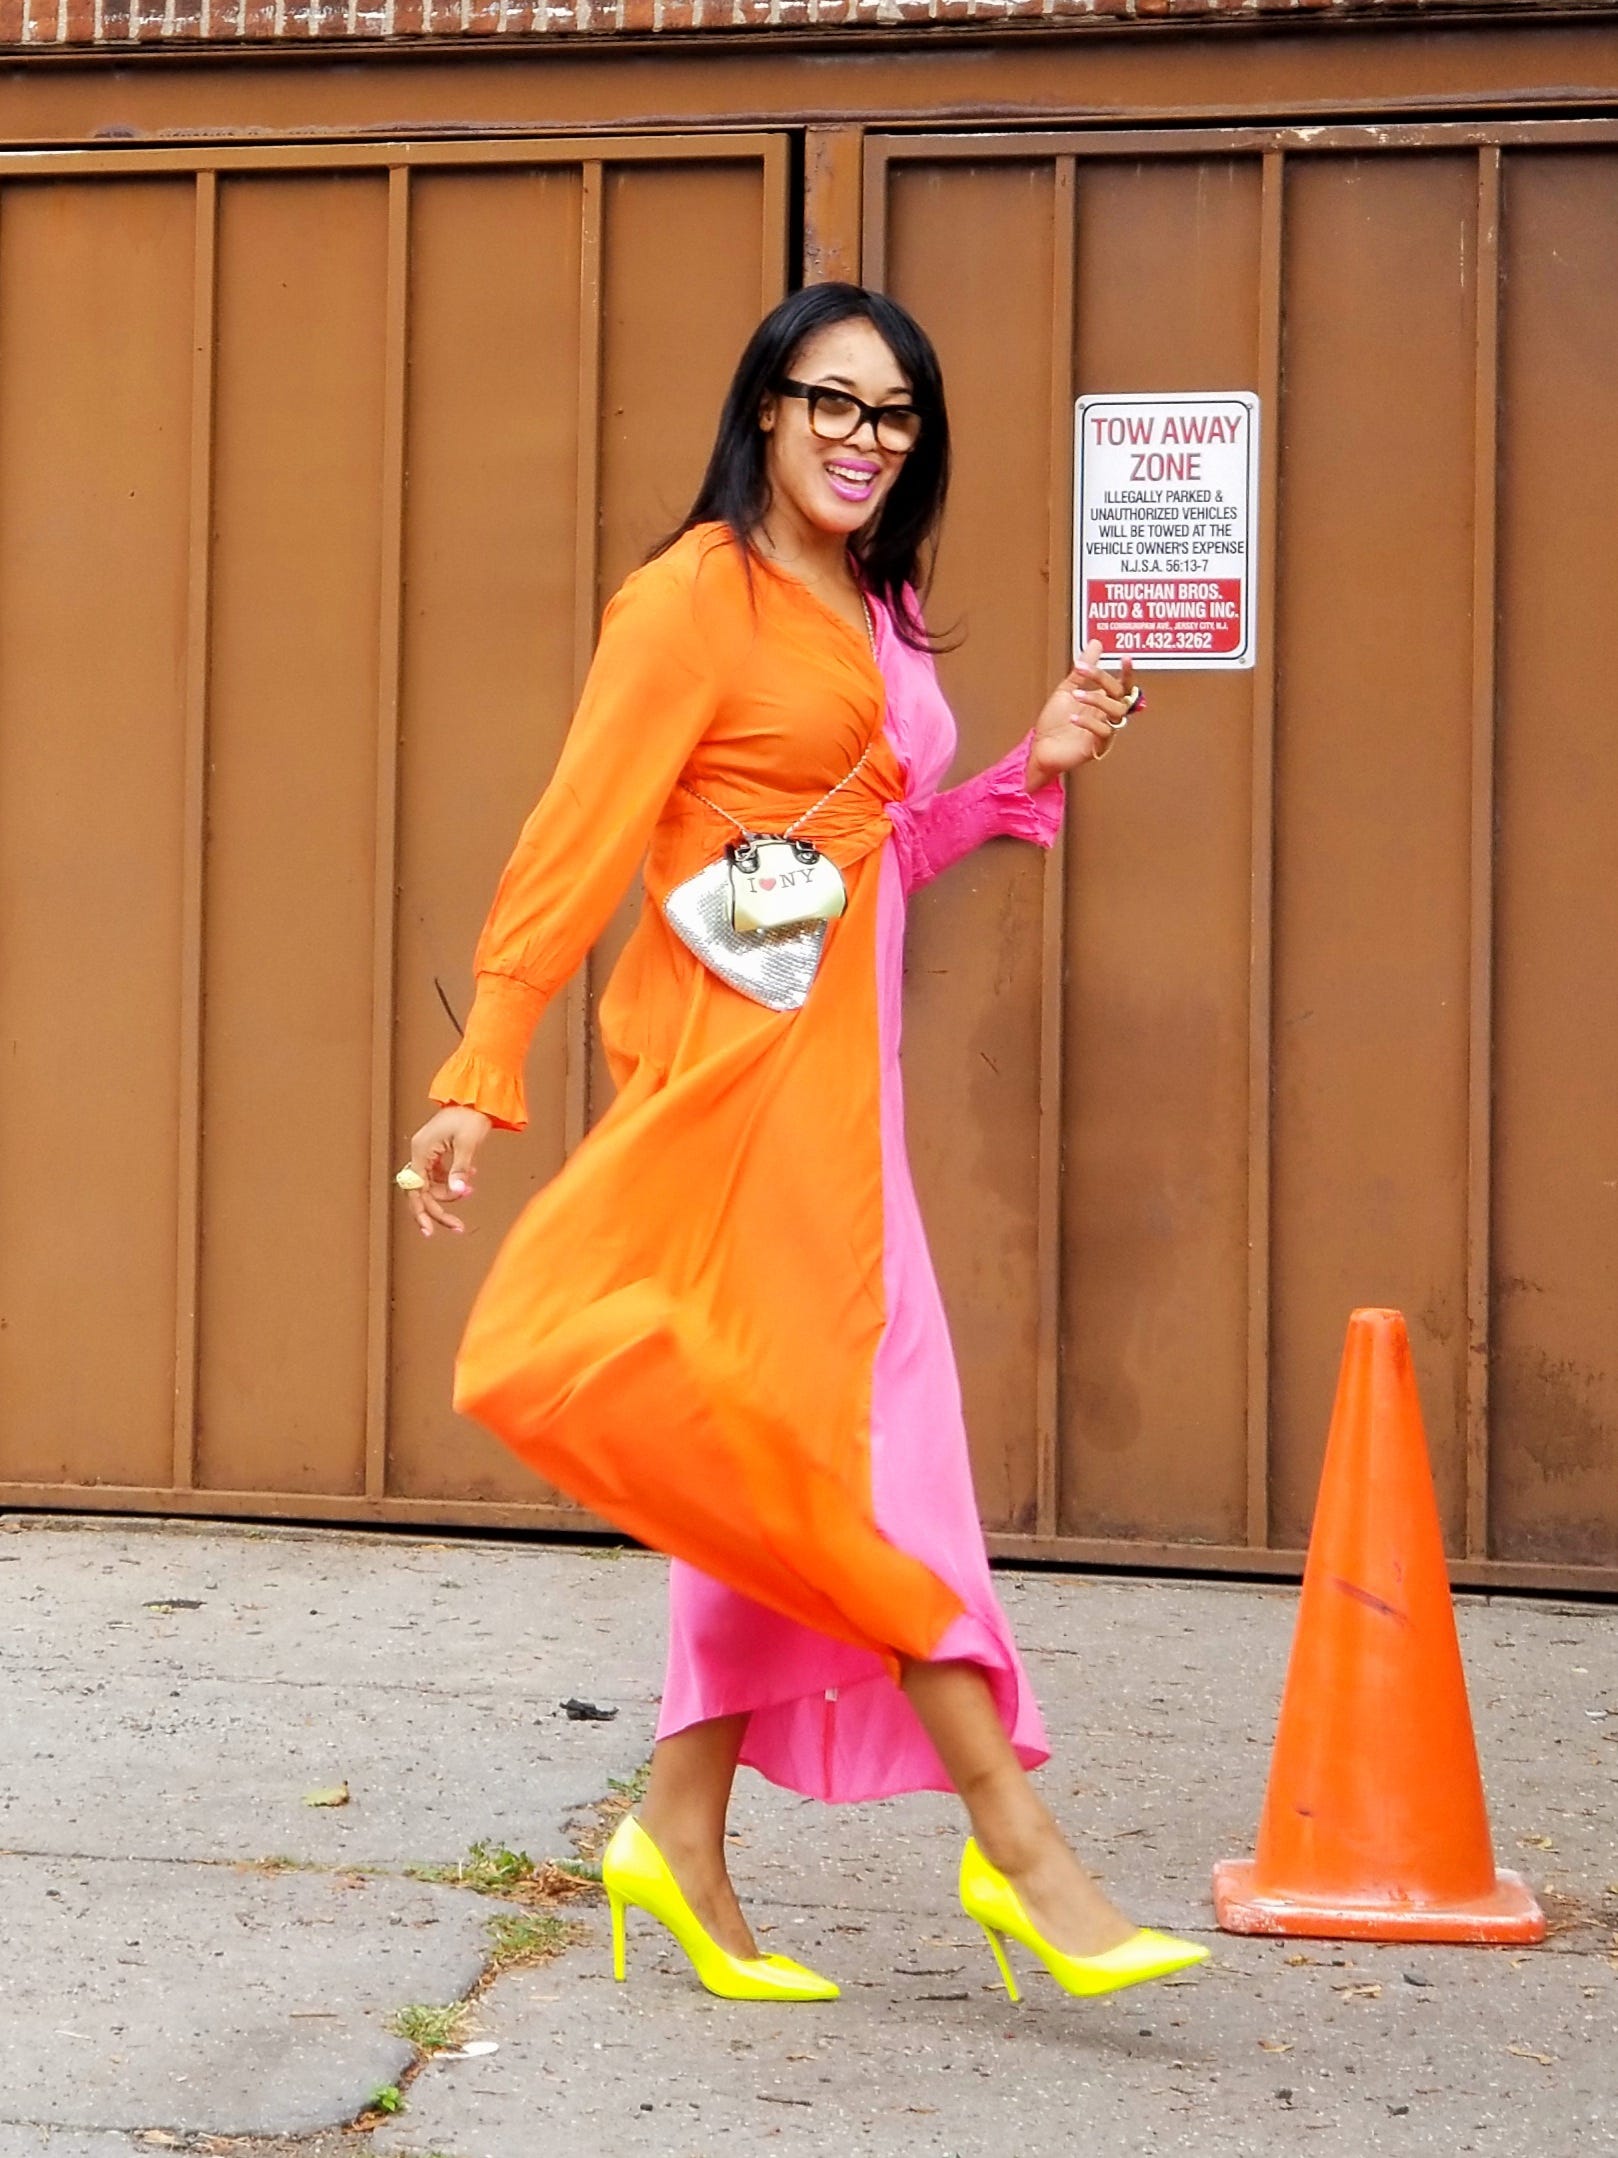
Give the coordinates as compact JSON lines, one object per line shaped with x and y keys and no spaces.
{"x":636,"y":1875}
{"x":988,"y":1897}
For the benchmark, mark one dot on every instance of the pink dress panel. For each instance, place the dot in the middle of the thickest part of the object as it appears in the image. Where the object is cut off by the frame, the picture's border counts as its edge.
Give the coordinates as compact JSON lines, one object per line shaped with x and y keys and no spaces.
{"x":825,"y":1719}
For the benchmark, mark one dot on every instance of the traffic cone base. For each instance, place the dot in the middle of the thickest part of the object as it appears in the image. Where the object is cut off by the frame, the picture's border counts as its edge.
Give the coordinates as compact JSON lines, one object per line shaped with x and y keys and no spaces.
{"x":1374,"y":1824}
{"x":1509,"y":1915}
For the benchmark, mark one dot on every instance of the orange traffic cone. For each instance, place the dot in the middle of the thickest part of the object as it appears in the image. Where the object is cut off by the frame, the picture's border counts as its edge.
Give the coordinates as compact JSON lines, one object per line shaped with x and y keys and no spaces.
{"x":1374,"y":1822}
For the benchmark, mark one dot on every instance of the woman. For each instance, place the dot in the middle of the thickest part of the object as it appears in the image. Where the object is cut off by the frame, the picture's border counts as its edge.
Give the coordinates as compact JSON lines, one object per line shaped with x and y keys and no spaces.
{"x":718,"y":1327}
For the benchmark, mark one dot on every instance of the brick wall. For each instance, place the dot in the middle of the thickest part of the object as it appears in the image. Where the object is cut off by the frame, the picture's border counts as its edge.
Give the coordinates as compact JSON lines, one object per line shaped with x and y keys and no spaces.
{"x":33,"y":25}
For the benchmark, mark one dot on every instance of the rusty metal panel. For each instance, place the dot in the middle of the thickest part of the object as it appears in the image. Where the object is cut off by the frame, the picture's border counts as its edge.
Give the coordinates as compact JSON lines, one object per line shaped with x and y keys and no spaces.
{"x":973,"y":250}
{"x":340,"y":448}
{"x":1373,"y":795}
{"x":1554,"y":1487}
{"x":1133,"y":1133}
{"x":1402,"y":1085}
{"x":287,"y":906}
{"x":1154,"y":1257}
{"x":95,"y":371}
{"x":487,"y":679}
{"x":1179,"y":73}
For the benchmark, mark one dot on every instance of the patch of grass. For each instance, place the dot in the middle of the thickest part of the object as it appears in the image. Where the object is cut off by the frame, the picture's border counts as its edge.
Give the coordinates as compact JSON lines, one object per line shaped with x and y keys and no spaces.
{"x":389,"y":2099}
{"x":278,"y":1864}
{"x":488,"y":1868}
{"x":522,"y":1937}
{"x":491,"y":1870}
{"x":431,"y":2029}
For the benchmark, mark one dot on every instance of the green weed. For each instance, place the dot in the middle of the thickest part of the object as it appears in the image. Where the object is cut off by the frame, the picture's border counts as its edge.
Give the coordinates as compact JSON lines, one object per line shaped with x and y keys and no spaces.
{"x":518,"y":1937}
{"x":431,"y":2029}
{"x":488,"y":1868}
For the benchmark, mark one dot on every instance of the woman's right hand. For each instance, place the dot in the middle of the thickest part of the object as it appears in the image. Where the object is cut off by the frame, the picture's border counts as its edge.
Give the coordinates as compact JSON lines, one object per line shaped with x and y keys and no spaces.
{"x":444,"y":1153}
{"x":1080,"y":718}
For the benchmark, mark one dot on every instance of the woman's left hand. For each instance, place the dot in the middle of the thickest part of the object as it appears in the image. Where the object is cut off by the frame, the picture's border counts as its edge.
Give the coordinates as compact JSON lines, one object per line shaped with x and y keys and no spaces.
{"x":1079,"y":718}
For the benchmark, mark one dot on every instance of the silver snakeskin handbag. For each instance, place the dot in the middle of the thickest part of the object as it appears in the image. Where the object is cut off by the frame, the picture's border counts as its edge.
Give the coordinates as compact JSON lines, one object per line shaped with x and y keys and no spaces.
{"x":758,"y":916}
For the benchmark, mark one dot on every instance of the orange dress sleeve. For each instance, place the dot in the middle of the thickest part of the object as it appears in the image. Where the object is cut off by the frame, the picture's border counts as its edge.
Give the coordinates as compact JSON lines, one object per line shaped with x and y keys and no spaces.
{"x":650,"y":695}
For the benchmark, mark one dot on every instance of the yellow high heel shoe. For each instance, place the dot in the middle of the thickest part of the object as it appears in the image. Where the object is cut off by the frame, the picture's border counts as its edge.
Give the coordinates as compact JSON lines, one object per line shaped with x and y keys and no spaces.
{"x":989,"y":1897}
{"x":635,"y":1873}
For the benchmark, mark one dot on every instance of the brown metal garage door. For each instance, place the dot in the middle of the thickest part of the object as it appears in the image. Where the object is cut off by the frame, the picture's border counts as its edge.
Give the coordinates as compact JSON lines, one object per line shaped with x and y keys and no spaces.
{"x":314,"y":466}
{"x":1318,"y":1010}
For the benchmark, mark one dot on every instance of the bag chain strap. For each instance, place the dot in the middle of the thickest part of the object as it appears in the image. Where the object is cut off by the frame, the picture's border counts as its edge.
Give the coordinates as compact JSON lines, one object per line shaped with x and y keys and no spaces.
{"x":815,"y":808}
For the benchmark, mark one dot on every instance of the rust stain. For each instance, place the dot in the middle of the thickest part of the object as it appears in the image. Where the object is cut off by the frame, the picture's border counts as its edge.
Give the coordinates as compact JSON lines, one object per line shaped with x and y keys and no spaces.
{"x":1557,"y":1412}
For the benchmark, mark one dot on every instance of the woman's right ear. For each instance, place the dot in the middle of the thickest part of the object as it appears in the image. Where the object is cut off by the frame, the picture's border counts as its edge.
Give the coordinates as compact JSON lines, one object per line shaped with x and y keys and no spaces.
{"x":766,"y":414}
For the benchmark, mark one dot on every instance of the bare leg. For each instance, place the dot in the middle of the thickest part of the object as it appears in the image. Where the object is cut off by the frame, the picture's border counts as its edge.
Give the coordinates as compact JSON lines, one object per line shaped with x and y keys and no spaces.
{"x":1015,"y":1829}
{"x":687,"y":1798}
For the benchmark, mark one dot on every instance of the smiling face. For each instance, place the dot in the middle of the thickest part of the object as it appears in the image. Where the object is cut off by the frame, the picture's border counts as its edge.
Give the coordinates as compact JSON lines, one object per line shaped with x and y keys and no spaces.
{"x":833,"y":487}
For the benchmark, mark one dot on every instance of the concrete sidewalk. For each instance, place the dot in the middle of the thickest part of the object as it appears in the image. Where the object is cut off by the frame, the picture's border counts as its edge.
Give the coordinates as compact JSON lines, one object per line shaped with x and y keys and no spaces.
{"x":197,"y":1960}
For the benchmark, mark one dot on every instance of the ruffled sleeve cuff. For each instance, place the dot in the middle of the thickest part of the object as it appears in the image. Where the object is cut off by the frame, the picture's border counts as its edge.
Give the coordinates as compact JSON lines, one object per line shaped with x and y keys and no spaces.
{"x":995,"y":804}
{"x":1021,"y":815}
{"x":486,"y":1071}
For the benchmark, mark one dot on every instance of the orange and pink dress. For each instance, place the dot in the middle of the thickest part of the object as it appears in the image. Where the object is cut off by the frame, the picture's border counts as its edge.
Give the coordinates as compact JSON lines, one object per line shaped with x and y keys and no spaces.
{"x":718,"y":1327}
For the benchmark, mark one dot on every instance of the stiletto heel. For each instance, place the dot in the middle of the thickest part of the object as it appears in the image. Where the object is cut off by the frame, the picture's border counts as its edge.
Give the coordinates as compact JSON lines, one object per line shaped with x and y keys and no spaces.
{"x":635,"y":1872}
{"x":993,"y":1940}
{"x":989,"y":1897}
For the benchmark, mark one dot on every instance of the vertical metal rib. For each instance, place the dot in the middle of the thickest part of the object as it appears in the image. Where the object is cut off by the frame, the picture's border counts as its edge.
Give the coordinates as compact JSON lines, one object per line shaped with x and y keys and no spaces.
{"x":775,"y":180}
{"x":1261,"y":914}
{"x":193,"y":828}
{"x":586,"y":582}
{"x":384,"y":909}
{"x":1480,"y":1045}
{"x":1052,"y":1015}
{"x":874,"y":214}
{"x":831,"y":209}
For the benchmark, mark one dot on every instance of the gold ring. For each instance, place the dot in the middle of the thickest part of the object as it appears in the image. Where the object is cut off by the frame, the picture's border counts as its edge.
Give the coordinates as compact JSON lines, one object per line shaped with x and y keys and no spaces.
{"x":410,"y":1179}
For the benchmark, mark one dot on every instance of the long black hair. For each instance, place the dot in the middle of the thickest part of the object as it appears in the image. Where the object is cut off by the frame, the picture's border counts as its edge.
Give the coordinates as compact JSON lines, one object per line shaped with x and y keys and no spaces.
{"x":897,"y":549}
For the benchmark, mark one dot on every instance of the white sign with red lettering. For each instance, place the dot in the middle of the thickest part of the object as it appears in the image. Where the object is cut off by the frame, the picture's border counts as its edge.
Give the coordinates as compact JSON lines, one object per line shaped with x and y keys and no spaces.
{"x":1166,"y":527}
